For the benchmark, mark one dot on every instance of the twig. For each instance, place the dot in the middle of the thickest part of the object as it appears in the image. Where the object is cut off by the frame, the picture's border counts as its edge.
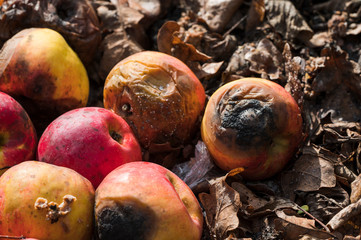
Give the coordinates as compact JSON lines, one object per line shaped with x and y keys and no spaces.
{"x":234,"y":26}
{"x":318,"y":221}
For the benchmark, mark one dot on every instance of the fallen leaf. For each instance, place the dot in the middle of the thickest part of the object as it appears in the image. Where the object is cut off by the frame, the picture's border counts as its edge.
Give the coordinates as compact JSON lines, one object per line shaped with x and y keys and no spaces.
{"x":218,"y":13}
{"x":287,"y":20}
{"x":310,"y":172}
{"x":256,"y":14}
{"x":76,"y":21}
{"x":221,"y":206}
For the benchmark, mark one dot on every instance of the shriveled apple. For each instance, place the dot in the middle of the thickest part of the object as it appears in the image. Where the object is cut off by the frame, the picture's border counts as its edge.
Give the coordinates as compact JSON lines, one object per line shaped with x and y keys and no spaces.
{"x":46,"y":202}
{"x":159,"y":96}
{"x":18,"y":137}
{"x":252,"y":123}
{"x":143,"y":200}
{"x":91,"y":140}
{"x":43,"y":73}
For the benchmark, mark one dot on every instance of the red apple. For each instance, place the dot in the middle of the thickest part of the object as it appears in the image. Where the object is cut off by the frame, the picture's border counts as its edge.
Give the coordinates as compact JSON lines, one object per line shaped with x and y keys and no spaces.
{"x":46,"y":202}
{"x":252,"y":123}
{"x":91,"y":140}
{"x":17,"y":134}
{"x":143,"y":200}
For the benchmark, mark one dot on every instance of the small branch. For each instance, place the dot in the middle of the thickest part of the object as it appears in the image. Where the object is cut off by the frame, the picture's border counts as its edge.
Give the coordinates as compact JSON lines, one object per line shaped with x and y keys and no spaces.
{"x":318,"y":221}
{"x":234,"y":26}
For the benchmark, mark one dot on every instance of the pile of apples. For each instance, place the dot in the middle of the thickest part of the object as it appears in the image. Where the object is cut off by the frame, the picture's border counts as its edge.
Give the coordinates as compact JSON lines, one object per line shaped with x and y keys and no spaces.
{"x":85,"y":176}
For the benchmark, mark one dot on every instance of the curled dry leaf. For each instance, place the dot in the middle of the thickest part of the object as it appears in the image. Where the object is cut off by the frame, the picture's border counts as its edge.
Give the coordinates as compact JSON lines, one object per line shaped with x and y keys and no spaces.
{"x":310,"y":172}
{"x":221,"y":206}
{"x":170,"y":43}
{"x":293,"y":231}
{"x":356,"y":190}
{"x":75,"y":20}
{"x":218,"y":13}
{"x":286,"y":20}
{"x":265,"y":59}
{"x":343,"y":216}
{"x":256,"y":14}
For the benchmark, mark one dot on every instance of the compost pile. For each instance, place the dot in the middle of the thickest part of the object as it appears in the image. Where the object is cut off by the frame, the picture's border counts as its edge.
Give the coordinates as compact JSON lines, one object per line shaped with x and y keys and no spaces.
{"x":311,"y":48}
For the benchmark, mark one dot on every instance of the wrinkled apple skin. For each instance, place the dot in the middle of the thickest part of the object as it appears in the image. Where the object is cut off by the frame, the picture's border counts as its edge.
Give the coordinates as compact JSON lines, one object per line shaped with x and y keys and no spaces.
{"x":159,"y":96}
{"x":143,"y":200}
{"x":23,"y":184}
{"x":252,"y":123}
{"x":43,"y":73}
{"x":93,"y":141}
{"x":17,"y":134}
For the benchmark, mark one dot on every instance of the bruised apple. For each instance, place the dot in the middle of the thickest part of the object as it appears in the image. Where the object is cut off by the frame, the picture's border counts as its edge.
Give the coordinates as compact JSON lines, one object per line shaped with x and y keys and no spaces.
{"x":252,"y":123}
{"x":143,"y":200}
{"x":43,"y":73}
{"x":17,"y":134}
{"x":159,"y":96}
{"x":91,"y":140}
{"x":46,"y":202}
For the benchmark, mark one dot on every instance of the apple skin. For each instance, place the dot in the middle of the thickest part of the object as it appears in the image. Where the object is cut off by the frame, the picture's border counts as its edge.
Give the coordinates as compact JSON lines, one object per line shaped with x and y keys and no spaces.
{"x":43,"y":74}
{"x":23,"y":184}
{"x":160,"y":98}
{"x":252,"y":123}
{"x":91,"y":140}
{"x":143,"y":200}
{"x":18,"y":137}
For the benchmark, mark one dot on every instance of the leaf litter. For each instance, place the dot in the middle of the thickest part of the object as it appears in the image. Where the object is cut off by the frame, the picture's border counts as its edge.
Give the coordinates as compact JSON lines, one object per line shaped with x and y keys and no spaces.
{"x":312,"y":48}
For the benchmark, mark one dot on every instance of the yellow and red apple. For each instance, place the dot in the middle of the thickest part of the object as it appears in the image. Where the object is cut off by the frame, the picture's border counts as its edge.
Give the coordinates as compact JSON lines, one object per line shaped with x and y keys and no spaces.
{"x":143,"y":200}
{"x":159,"y":96}
{"x":252,"y":123}
{"x":46,"y":202}
{"x":18,"y":137}
{"x":91,"y":140}
{"x":43,"y":73}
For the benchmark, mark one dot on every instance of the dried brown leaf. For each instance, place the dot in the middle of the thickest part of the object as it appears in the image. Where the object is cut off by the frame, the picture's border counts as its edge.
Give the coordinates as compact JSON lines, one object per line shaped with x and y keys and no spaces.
{"x":300,"y":221}
{"x":256,"y":14}
{"x":221,"y":206}
{"x":75,"y":20}
{"x":265,"y":59}
{"x":287,"y":20}
{"x":250,"y":201}
{"x":356,"y":190}
{"x":310,"y":173}
{"x":170,"y":43}
{"x":354,"y":209}
{"x":293,"y":231}
{"x":218,"y":13}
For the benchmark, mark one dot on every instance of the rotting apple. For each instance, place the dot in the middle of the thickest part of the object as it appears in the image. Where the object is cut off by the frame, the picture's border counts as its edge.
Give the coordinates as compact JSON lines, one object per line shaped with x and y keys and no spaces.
{"x":252,"y":123}
{"x":47,"y":202}
{"x":43,"y":74}
{"x":143,"y":200}
{"x":91,"y":140}
{"x":159,"y":96}
{"x":18,"y":137}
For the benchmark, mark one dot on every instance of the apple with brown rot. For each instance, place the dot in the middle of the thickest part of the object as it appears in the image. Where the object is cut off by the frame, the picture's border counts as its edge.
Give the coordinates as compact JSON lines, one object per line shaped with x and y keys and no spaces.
{"x":17,"y":134}
{"x":41,"y":71}
{"x":160,"y":98}
{"x":91,"y":140}
{"x":143,"y":200}
{"x":46,"y":202}
{"x":252,"y":123}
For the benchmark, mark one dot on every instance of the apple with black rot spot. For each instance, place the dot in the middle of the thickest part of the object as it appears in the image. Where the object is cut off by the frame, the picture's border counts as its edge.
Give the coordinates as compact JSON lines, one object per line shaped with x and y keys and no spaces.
{"x":252,"y":123}
{"x":143,"y":200}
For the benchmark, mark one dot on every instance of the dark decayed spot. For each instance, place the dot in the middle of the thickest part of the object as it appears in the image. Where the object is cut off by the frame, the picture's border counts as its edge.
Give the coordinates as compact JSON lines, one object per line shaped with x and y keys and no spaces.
{"x":125,"y":221}
{"x":2,"y":140}
{"x":252,"y":120}
{"x":116,"y":136}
